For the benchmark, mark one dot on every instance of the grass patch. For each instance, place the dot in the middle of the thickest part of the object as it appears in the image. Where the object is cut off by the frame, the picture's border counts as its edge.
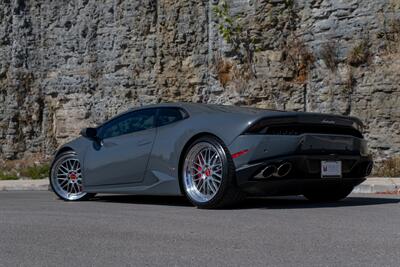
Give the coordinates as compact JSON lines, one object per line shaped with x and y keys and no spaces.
{"x":8,"y":176}
{"x":36,"y":171}
{"x":299,"y":58}
{"x":360,"y":54}
{"x":389,"y":168}
{"x":17,"y":169}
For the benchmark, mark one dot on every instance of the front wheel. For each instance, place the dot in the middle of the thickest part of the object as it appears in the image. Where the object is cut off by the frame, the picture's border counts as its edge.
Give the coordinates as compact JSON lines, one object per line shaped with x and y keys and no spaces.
{"x":66,"y":178}
{"x":208,"y":174}
{"x":328,"y":193}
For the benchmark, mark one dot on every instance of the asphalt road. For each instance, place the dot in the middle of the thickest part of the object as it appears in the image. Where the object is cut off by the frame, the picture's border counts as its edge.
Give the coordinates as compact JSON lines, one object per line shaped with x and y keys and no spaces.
{"x":36,"y":229}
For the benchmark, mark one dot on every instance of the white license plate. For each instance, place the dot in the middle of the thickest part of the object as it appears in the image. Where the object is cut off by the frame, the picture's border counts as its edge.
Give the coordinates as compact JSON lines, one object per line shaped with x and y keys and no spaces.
{"x":331,"y":169}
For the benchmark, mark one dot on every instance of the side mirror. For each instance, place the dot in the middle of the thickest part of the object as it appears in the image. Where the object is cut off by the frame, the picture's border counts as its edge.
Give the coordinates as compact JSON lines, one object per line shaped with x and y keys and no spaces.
{"x":90,"y":133}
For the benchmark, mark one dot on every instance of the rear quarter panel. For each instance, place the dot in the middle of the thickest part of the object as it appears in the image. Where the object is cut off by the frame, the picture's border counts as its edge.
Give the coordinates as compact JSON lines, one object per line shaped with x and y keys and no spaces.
{"x":171,"y":140}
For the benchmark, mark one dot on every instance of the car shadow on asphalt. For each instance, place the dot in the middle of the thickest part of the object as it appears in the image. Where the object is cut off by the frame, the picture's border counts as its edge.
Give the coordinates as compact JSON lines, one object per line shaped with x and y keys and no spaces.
{"x":150,"y":200}
{"x":298,"y":202}
{"x":290,"y":202}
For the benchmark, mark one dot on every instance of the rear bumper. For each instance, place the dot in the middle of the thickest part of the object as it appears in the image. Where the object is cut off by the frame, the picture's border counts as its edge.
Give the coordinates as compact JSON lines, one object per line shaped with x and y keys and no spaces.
{"x":288,"y":187}
{"x":305,"y":172}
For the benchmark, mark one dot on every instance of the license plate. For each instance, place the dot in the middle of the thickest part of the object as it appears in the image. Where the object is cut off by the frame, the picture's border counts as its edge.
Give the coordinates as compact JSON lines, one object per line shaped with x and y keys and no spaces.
{"x":331,"y":169}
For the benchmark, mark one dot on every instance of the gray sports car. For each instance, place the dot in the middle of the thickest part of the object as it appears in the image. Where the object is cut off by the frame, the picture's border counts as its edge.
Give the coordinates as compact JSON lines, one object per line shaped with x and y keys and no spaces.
{"x":214,"y":155}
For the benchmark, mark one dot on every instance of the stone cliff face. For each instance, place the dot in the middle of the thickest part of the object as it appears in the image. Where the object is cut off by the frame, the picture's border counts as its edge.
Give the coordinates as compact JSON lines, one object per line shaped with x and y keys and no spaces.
{"x":65,"y":65}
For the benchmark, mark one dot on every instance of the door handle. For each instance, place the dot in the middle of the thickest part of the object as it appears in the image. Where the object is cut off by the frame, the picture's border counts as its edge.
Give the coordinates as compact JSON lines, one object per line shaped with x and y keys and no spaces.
{"x":143,"y":142}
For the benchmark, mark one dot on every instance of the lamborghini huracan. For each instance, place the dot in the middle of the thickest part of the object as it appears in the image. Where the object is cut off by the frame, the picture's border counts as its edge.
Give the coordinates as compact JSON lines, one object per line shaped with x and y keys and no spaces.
{"x":215,"y":155}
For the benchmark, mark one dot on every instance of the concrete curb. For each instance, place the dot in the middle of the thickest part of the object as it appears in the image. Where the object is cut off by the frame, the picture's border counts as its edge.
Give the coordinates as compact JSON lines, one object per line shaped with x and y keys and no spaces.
{"x":371,"y":185}
{"x":24,"y":185}
{"x":384,"y":185}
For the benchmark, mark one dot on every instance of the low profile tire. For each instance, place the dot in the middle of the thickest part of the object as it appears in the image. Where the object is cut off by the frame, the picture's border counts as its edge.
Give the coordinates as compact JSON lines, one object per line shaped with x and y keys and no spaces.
{"x":208,"y":174}
{"x":328,"y":194}
{"x":66,"y":178}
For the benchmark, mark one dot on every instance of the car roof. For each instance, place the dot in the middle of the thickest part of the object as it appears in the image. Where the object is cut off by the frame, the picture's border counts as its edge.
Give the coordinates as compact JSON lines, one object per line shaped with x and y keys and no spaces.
{"x":200,"y":108}
{"x":247,"y":112}
{"x":210,"y":108}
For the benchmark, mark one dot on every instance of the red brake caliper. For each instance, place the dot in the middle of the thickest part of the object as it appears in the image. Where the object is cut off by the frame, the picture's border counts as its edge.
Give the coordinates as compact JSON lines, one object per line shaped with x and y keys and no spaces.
{"x":199,"y":174}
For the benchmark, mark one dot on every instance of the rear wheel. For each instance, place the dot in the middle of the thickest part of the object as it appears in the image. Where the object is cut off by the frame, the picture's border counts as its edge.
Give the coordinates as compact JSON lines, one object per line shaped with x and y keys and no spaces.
{"x":208,"y":174}
{"x":66,"y":178}
{"x":328,"y":194}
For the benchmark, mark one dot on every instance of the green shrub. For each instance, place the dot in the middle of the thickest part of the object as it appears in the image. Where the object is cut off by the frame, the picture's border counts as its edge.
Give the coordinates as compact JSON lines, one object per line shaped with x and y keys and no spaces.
{"x":36,"y":171}
{"x":8,"y":176}
{"x":235,"y":31}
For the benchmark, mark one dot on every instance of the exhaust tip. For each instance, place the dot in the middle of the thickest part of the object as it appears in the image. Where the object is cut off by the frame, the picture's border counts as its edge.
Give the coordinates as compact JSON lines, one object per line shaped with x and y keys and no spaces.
{"x":284,"y":169}
{"x":269,"y":171}
{"x":368,"y":170}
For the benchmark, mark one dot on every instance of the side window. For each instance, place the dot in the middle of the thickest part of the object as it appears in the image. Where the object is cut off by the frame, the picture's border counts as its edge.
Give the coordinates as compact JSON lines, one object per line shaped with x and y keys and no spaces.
{"x":129,"y":123}
{"x":170,"y":115}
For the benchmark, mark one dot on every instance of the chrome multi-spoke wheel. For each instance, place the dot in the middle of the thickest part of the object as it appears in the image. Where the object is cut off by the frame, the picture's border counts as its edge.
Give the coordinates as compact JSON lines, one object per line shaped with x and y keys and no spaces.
{"x":208,"y":174}
{"x":203,"y":172}
{"x":66,"y":177}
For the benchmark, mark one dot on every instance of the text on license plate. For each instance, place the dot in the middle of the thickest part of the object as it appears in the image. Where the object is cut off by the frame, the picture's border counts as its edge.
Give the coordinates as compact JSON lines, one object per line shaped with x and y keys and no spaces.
{"x":331,"y":169}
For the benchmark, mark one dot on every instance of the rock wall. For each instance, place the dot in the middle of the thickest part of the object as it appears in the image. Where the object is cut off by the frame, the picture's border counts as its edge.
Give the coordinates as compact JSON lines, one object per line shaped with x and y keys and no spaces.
{"x":68,"y":64}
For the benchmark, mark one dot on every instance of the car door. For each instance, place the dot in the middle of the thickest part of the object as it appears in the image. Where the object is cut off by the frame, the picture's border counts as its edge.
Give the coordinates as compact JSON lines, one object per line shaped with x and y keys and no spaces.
{"x":167,"y":145}
{"x":122,"y":155}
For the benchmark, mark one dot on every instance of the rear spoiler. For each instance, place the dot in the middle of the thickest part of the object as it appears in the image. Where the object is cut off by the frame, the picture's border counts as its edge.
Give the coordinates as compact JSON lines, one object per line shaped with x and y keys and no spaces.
{"x":324,"y":123}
